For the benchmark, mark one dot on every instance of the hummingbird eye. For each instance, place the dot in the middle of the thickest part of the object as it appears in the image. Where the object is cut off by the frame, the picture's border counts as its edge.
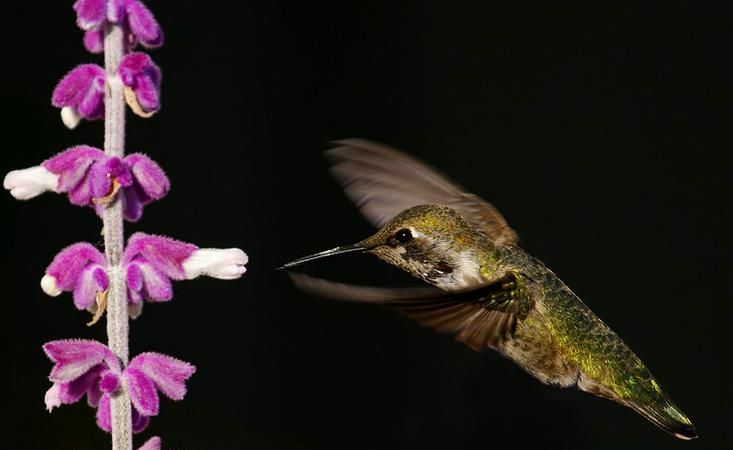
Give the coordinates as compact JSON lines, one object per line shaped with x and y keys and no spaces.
{"x":403,"y":236}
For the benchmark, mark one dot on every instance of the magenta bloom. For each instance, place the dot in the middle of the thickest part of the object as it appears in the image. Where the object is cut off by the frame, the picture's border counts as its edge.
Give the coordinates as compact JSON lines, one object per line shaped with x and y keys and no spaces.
{"x":91,"y":178}
{"x":150,"y":263}
{"x":139,"y":23}
{"x":141,"y":77}
{"x":85,"y":367}
{"x":81,"y":269}
{"x":80,"y":94}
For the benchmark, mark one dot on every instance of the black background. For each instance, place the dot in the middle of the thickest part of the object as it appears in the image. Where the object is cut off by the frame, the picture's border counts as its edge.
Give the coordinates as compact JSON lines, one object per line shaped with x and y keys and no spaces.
{"x":601,"y":131}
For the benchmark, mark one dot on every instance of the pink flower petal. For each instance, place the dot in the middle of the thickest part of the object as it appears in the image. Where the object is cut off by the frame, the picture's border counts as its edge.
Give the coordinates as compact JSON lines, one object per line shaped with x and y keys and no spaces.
{"x":109,"y":382}
{"x":116,"y":10}
{"x":147,"y":90}
{"x":104,"y":414}
{"x":164,"y":254}
{"x":92,"y":280}
{"x":134,"y":277}
{"x":93,"y":396}
{"x":73,"y":391}
{"x":74,"y":357}
{"x":143,"y":24}
{"x":169,"y":374}
{"x":142,"y":391}
{"x":82,"y":195}
{"x":148,"y":175}
{"x":83,"y":89}
{"x":94,"y":40}
{"x":158,"y":287}
{"x":67,"y":266}
{"x":91,"y":104}
{"x":90,"y":13}
{"x":139,"y":422}
{"x":151,"y":444}
{"x":98,"y":179}
{"x":138,"y":72}
{"x":132,"y":207}
{"x":72,"y":165}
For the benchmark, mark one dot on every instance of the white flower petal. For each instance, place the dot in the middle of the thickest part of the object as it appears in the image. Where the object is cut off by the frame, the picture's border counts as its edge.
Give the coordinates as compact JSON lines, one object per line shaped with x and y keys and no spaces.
{"x":53,"y":397}
{"x":48,"y":284}
{"x":28,"y":183}
{"x":70,"y":117}
{"x":221,"y":263}
{"x":134,"y":310}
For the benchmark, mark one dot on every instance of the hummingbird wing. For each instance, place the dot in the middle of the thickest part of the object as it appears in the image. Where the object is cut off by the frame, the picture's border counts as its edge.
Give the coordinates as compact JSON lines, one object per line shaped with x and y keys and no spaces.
{"x":383,"y":182}
{"x":479,"y":318}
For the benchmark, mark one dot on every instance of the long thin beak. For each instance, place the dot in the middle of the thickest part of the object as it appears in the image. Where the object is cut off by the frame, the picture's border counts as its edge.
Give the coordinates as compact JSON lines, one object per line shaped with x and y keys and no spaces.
{"x":324,"y":254}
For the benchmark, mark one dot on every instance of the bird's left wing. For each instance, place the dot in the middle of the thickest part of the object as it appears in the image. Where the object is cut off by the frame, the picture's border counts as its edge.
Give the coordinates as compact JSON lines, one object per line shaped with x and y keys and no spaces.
{"x":383,"y":182}
{"x":480,"y":318}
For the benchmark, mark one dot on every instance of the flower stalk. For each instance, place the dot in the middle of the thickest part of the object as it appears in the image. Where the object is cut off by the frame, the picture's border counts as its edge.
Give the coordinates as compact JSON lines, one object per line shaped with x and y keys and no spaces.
{"x":114,"y":237}
{"x":119,"y":280}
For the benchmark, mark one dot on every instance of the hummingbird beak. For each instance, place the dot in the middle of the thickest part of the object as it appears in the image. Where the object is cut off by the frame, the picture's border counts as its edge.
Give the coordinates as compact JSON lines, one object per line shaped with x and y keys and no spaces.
{"x":324,"y":254}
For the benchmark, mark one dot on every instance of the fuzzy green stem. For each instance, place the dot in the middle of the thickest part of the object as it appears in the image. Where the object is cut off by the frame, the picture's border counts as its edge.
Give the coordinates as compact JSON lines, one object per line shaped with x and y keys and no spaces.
{"x":114,"y":237}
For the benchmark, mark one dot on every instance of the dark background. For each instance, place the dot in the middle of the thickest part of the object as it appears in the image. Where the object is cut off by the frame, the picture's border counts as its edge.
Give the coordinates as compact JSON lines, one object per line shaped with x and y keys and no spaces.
{"x":602,"y":132}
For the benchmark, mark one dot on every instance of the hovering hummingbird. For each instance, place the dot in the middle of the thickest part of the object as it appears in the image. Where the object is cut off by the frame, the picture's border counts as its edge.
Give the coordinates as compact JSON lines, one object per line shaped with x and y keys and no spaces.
{"x":490,"y":292}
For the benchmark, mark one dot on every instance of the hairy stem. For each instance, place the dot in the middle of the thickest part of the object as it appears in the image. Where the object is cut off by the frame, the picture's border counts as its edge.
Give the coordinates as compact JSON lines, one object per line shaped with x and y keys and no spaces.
{"x":114,"y":237}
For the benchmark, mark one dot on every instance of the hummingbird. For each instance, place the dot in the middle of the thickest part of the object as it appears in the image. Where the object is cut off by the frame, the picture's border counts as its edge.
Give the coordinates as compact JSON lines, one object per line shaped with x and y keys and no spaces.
{"x":485,"y":289}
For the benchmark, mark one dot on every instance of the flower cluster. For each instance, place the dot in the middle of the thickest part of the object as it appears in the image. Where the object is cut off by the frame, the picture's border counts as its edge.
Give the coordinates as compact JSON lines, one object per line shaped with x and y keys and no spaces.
{"x":92,"y":178}
{"x":121,"y":186}
{"x":149,"y":263}
{"x":85,"y":367}
{"x":80,"y":93}
{"x":140,"y":25}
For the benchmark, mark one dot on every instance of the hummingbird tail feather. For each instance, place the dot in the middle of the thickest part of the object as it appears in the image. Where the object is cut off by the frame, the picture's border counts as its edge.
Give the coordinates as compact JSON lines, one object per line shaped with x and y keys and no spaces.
{"x":668,"y":417}
{"x":655,"y":406}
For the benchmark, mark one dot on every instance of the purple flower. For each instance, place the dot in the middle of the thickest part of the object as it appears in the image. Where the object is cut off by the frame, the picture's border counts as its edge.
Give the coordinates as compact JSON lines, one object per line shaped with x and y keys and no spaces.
{"x":140,"y":25}
{"x":141,"y":78}
{"x":178,"y":260}
{"x":80,"y":94}
{"x":74,"y":169}
{"x":85,"y":367}
{"x":79,"y":268}
{"x":150,"y":263}
{"x":91,"y":178}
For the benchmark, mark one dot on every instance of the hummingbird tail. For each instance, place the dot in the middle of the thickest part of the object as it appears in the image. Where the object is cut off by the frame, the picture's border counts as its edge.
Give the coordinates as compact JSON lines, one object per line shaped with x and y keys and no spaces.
{"x":668,"y":417}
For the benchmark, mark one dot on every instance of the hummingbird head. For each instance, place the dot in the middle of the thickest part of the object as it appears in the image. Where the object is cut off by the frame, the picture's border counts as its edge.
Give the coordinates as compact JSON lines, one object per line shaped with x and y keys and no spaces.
{"x":431,"y":242}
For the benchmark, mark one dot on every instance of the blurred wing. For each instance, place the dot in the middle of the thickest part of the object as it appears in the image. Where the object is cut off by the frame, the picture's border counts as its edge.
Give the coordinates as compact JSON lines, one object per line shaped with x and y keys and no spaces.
{"x":383,"y":182}
{"x":473,"y":316}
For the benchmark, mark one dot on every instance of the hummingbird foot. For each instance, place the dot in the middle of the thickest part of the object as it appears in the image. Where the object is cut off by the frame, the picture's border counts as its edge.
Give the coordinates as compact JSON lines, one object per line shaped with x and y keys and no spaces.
{"x":101,"y":307}
{"x":501,"y":294}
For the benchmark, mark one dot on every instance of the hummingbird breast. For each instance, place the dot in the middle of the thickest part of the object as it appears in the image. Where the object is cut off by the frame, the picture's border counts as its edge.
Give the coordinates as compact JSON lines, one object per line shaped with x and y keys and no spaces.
{"x":461,"y":272}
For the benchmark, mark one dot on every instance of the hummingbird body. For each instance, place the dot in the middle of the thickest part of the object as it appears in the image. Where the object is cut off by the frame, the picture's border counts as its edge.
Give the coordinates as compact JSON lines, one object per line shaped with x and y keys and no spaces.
{"x":556,"y":337}
{"x":491,"y":293}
